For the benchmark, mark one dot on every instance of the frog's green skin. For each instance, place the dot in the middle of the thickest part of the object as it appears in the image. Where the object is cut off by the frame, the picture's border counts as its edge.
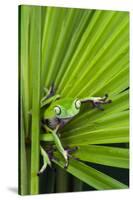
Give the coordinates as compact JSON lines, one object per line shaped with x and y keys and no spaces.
{"x":46,"y":160}
{"x":59,"y":112}
{"x":67,"y":107}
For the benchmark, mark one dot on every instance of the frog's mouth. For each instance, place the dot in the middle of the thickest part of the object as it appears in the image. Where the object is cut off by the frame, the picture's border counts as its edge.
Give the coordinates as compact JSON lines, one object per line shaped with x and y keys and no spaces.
{"x":65,"y":119}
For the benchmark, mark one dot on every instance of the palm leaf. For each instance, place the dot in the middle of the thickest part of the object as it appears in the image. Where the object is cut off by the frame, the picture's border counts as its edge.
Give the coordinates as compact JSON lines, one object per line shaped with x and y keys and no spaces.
{"x":92,"y":176}
{"x":110,"y":156}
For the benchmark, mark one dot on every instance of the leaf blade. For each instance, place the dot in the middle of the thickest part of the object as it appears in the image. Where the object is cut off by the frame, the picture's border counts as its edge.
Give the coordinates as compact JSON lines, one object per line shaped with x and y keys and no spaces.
{"x":110,"y":156}
{"x":92,"y":176}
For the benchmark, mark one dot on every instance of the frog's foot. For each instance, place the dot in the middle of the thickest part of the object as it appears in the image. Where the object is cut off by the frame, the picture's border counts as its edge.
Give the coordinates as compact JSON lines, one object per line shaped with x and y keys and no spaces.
{"x":97,"y":101}
{"x":49,"y":96}
{"x":104,"y":99}
{"x":46,"y":155}
{"x":42,"y":169}
{"x":50,"y":92}
{"x":66,"y":163}
{"x":68,"y":151}
{"x":71,"y":150}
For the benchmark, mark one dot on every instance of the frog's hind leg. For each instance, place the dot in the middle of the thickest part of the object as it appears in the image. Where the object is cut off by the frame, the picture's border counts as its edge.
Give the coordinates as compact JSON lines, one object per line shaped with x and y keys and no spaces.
{"x":46,"y":160}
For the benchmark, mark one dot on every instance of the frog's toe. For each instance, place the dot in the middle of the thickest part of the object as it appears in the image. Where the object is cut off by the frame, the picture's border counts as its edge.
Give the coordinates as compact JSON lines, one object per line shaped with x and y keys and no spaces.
{"x":71,"y":150}
{"x":106,"y":96}
{"x":38,"y":173}
{"x":109,"y":101}
{"x":66,"y":165}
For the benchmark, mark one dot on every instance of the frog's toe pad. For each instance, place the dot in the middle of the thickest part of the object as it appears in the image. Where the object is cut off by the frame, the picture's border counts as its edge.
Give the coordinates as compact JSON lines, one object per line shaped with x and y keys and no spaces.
{"x":66,"y":165}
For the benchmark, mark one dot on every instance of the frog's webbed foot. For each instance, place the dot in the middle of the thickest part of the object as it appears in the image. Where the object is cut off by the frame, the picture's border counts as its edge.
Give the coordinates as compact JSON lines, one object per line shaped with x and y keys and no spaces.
{"x":71,"y":150}
{"x":101,"y":100}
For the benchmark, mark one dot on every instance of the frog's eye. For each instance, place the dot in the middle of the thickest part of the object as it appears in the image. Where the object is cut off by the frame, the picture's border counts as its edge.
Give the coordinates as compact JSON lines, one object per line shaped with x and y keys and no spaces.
{"x":57,"y":110}
{"x":77,"y":104}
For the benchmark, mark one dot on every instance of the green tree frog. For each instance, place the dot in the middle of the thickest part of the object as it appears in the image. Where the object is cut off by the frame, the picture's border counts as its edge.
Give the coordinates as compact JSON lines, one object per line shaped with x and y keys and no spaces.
{"x":60,"y":111}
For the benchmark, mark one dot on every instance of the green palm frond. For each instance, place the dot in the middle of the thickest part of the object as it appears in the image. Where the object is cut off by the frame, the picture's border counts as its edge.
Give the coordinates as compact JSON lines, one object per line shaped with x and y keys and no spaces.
{"x":92,"y":176}
{"x":84,"y":53}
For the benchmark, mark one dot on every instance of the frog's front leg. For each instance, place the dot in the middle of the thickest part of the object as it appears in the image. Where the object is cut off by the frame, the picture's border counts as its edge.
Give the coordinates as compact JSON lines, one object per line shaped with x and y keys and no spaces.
{"x":97,"y":101}
{"x":50,"y":96}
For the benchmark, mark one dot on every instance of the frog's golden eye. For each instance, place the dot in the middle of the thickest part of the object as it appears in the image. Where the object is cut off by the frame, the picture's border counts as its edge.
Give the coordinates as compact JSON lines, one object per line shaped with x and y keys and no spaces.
{"x":57,"y":110}
{"x":77,"y":104}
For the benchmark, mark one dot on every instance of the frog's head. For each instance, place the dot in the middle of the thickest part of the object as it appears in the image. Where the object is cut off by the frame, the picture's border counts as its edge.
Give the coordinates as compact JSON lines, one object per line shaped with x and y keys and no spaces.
{"x":67,"y":108}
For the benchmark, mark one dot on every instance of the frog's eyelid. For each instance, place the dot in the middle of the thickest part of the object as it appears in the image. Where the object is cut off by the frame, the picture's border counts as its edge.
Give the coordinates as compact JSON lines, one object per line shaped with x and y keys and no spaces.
{"x":77,"y":103}
{"x":57,"y":110}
